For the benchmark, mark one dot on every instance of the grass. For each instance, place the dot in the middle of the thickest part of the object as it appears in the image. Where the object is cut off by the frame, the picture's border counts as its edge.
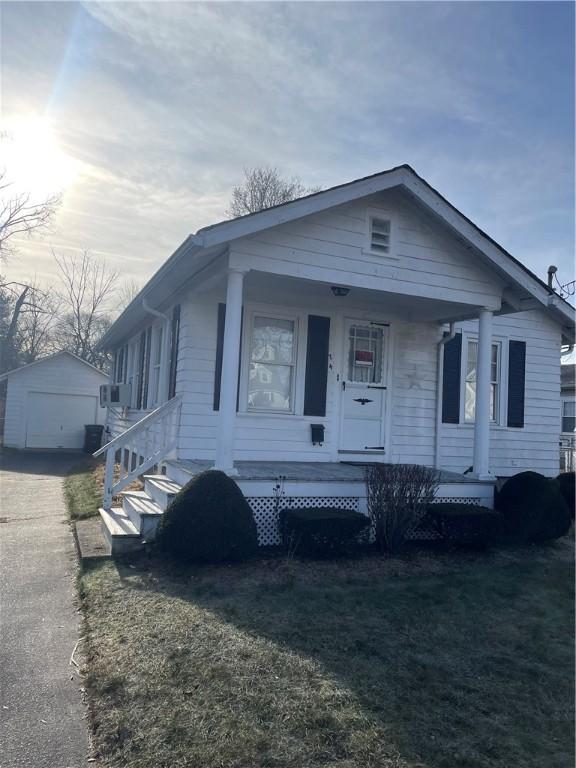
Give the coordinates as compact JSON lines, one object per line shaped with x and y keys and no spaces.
{"x":444,"y":661}
{"x":83,"y":490}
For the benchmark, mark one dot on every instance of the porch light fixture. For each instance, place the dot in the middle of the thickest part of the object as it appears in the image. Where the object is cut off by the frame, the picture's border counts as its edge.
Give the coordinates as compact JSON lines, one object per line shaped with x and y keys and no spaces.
{"x":338,"y":290}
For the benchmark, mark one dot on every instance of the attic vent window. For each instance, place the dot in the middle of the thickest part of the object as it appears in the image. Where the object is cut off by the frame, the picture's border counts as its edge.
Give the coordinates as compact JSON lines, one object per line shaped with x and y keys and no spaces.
{"x":380,"y":235}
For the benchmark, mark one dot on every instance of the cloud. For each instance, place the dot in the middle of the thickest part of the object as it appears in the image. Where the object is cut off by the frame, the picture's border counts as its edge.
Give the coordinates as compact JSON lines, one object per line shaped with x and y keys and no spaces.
{"x":163,"y":104}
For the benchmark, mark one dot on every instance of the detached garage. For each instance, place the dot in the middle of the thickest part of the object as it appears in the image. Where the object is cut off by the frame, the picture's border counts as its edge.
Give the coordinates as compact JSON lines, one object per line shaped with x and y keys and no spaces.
{"x":48,"y":402}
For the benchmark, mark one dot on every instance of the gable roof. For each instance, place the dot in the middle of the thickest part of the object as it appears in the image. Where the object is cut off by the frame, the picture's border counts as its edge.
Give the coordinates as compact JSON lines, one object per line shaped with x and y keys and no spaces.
{"x":208,"y":239}
{"x":52,"y":357}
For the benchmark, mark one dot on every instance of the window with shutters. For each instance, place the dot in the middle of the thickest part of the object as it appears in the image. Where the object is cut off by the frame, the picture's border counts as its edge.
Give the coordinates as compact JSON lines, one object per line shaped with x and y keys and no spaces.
{"x":380,"y":234}
{"x":470,"y":381}
{"x":569,"y":416}
{"x":272,"y":365}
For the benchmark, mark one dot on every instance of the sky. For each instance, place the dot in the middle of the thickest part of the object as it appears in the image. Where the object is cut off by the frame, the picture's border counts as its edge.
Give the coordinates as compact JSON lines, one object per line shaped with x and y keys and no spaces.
{"x":144,"y":115}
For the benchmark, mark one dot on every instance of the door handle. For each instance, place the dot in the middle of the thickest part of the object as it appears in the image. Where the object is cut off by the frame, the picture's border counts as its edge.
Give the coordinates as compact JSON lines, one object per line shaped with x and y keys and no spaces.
{"x":373,"y":386}
{"x":343,"y":384}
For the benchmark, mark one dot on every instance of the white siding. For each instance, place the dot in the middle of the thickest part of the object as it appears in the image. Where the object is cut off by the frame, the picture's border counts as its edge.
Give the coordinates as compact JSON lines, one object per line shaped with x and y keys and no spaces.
{"x":61,"y":374}
{"x":331,"y":246}
{"x":412,"y":401}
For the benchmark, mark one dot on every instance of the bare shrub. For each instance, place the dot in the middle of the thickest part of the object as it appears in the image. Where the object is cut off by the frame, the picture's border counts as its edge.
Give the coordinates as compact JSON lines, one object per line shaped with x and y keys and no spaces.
{"x":398,"y":496}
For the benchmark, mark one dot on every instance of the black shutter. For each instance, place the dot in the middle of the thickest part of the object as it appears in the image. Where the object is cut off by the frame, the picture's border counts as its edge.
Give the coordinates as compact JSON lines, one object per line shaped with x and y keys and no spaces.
{"x":142,"y":355}
{"x":516,"y":382}
{"x":316,"y":366}
{"x":174,"y":338}
{"x":116,"y":365}
{"x":451,"y":380}
{"x":219,"y":352}
{"x":147,"y":368}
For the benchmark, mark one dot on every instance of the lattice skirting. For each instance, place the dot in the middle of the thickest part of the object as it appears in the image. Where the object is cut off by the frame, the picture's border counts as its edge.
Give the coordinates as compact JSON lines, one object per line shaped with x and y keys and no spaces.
{"x":266,"y":511}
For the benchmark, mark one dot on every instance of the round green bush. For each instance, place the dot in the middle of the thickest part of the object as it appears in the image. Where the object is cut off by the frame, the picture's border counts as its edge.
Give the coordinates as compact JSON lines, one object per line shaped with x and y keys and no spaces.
{"x":533,"y":508}
{"x":321,"y":531}
{"x":208,"y":521}
{"x":567,"y":484}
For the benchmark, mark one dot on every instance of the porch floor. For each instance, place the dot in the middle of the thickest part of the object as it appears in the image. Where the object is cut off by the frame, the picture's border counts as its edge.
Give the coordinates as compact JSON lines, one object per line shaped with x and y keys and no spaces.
{"x":307,"y":471}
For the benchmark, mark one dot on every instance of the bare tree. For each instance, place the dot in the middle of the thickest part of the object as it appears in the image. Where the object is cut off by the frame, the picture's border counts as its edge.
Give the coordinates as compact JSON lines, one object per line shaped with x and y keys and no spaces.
{"x":21,"y":215}
{"x":126,"y":293}
{"x":87,"y":287}
{"x":27,"y":315}
{"x":35,"y":334}
{"x":263,"y":188}
{"x":398,"y":498}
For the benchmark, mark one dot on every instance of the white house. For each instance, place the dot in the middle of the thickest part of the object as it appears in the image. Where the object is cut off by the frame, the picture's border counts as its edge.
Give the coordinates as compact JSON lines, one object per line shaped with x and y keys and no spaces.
{"x":48,"y":402}
{"x":368,"y":322}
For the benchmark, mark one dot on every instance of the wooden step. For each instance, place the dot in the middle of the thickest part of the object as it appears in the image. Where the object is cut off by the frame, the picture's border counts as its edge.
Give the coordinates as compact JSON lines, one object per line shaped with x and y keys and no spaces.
{"x":142,"y":511}
{"x":119,"y":531}
{"x":161,"y":488}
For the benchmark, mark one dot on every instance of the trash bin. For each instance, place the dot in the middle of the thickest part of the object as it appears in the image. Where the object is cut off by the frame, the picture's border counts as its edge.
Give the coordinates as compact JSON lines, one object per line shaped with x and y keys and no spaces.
{"x":92,"y":437}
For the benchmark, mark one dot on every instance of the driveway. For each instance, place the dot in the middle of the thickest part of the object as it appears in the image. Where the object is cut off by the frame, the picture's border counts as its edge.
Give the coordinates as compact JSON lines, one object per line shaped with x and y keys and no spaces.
{"x":41,"y":710}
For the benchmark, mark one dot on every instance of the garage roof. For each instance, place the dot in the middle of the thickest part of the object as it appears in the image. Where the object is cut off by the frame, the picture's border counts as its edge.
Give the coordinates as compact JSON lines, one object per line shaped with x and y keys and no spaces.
{"x":51,"y":357}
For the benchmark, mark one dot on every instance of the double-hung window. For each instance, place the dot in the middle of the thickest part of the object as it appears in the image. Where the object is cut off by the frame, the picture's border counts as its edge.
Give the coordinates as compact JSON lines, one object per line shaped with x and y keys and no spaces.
{"x":470,"y":382}
{"x":271,"y":375}
{"x":569,"y":416}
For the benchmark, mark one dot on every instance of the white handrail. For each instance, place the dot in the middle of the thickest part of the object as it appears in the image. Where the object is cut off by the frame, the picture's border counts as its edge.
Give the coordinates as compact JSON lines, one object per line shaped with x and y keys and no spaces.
{"x":140,"y":447}
{"x":137,"y":427}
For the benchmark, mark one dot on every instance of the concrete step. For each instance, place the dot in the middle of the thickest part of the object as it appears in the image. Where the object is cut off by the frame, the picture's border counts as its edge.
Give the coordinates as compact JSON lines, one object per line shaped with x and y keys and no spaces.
{"x":142,"y":511}
{"x":161,"y":488}
{"x":119,"y":531}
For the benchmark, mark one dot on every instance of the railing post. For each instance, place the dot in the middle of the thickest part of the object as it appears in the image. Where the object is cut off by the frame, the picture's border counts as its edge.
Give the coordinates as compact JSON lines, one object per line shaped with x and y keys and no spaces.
{"x":109,"y":477}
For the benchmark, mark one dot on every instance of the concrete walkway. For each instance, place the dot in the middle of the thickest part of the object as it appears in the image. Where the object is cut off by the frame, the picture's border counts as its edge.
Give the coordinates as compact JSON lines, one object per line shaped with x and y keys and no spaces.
{"x":41,"y":710}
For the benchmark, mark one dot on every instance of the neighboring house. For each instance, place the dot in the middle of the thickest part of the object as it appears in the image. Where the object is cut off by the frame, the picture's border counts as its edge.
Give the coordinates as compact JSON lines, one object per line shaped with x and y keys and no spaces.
{"x":568,"y":429}
{"x":48,"y":402}
{"x":368,"y":322}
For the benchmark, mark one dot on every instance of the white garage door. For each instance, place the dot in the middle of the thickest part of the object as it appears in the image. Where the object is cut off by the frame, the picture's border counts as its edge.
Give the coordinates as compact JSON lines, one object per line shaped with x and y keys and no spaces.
{"x":57,"y":421}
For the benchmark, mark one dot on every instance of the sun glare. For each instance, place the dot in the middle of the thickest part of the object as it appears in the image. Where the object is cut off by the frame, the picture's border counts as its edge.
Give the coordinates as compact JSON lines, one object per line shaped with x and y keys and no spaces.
{"x":33,"y":160}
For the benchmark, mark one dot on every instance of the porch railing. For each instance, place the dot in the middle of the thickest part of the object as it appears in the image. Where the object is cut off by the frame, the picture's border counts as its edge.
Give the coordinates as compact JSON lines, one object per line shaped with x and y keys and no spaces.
{"x":140,"y":447}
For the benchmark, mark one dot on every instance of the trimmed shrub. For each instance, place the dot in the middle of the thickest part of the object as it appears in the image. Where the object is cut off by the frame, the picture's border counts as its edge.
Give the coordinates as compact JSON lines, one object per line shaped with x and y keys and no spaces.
{"x":467,"y":525}
{"x":566,"y":483}
{"x":208,"y":521}
{"x":533,"y":508}
{"x":321,"y":531}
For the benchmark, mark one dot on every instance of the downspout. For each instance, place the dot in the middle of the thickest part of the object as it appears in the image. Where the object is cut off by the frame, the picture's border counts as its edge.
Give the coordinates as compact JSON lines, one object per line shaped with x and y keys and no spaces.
{"x":439,"y":386}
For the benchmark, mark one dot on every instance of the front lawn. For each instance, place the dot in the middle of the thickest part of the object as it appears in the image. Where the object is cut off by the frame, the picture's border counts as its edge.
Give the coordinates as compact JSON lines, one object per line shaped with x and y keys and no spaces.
{"x":83,"y":489}
{"x":444,"y":661}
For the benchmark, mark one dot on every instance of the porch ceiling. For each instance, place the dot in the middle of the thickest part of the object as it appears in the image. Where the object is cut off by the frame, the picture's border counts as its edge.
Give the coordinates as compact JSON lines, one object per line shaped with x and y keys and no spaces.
{"x":288,"y":291}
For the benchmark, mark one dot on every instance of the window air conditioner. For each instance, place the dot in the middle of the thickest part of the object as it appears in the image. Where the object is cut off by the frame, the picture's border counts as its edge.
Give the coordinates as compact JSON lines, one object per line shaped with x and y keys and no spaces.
{"x":112,"y":395}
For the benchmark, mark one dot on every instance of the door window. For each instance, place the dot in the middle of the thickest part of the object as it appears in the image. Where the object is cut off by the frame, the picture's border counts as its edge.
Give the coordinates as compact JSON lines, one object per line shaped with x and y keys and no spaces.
{"x":365,"y":354}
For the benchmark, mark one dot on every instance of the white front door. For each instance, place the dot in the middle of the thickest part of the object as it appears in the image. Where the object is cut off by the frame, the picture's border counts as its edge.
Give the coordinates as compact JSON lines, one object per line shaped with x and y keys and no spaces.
{"x":363,"y":401}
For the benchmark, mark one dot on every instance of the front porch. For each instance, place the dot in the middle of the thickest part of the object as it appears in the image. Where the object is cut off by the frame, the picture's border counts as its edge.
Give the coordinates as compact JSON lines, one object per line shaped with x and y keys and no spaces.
{"x":268,"y":488}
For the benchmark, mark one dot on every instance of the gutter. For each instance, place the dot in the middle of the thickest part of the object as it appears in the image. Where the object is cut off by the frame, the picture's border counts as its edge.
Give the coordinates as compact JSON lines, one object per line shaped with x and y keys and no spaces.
{"x":153,"y":311}
{"x":439,"y":386}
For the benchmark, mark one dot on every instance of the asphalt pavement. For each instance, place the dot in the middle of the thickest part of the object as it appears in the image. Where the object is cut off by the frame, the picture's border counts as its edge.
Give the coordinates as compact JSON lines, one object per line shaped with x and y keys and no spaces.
{"x":42,"y":723}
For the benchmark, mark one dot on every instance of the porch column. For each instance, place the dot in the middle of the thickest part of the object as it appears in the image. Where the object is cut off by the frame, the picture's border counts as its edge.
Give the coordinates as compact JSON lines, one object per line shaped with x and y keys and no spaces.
{"x":481,"y":464}
{"x":229,"y":375}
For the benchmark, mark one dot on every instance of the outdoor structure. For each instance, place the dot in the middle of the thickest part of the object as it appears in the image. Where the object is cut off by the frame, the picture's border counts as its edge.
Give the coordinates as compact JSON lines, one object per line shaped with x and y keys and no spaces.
{"x":48,"y":402}
{"x":368,"y":322}
{"x":568,"y":428}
